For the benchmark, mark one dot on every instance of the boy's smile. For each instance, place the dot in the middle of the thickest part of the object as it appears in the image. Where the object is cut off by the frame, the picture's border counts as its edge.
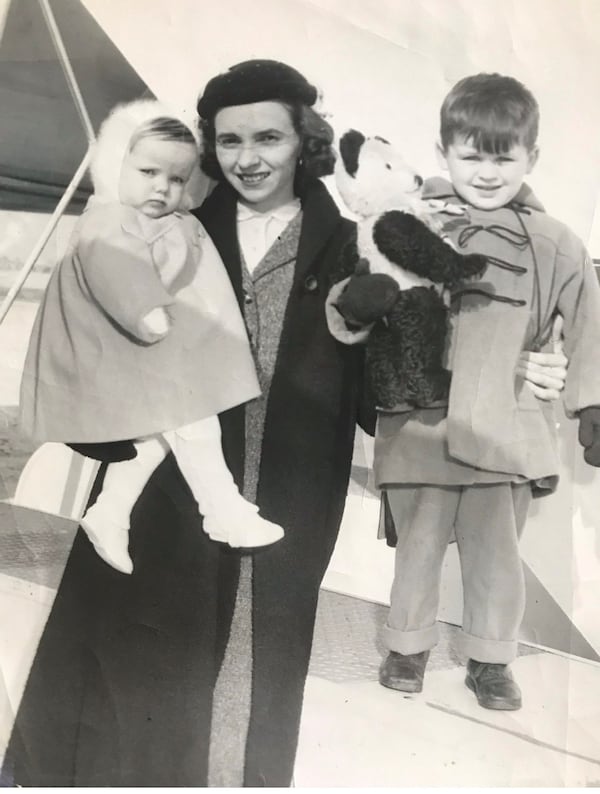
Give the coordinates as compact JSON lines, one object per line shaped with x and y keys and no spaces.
{"x":485,"y":180}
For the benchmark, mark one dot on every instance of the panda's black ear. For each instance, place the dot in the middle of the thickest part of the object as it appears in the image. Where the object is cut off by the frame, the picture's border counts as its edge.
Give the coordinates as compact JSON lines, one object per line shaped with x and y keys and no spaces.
{"x":350,"y":144}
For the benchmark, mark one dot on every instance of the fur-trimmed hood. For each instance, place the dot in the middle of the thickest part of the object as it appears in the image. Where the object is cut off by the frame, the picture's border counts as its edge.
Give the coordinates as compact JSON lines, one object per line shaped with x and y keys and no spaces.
{"x":113,"y":140}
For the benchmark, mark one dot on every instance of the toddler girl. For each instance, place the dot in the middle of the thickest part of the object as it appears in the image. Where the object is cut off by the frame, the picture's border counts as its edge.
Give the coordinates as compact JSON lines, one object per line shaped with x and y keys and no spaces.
{"x":139,"y":336}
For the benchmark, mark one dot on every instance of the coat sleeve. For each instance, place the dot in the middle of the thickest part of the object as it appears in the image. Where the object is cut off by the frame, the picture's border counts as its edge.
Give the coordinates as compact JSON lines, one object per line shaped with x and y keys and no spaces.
{"x":366,"y":413}
{"x":118,"y":270}
{"x":579,"y":304}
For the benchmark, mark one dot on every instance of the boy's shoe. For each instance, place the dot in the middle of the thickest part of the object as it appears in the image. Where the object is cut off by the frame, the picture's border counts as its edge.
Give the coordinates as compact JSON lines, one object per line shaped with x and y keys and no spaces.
{"x":110,"y":540}
{"x":404,"y":672}
{"x":493,"y":685}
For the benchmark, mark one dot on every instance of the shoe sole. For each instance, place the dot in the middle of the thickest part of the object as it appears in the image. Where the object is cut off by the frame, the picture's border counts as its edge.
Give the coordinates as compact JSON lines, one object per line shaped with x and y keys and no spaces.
{"x":402,"y":686}
{"x":497,"y":705}
{"x":255,"y":547}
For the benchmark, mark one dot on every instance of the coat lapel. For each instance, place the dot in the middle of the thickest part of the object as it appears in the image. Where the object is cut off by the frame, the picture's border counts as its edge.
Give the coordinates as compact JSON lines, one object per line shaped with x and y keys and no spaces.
{"x":304,"y":340}
{"x":283,"y":251}
{"x":320,"y":219}
{"x":218,"y":215}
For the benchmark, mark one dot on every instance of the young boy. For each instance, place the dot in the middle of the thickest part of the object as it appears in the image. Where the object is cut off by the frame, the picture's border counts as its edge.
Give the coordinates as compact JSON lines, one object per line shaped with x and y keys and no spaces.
{"x":473,"y":467}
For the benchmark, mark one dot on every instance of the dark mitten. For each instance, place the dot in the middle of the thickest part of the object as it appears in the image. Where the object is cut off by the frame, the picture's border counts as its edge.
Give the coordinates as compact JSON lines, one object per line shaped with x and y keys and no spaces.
{"x":473,"y":265}
{"x":367,"y":298}
{"x":589,"y":434}
{"x":108,"y":452}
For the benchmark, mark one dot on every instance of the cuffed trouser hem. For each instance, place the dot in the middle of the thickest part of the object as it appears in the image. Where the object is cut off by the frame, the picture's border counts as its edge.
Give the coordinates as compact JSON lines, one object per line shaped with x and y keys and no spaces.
{"x":490,"y":651}
{"x":406,"y":642}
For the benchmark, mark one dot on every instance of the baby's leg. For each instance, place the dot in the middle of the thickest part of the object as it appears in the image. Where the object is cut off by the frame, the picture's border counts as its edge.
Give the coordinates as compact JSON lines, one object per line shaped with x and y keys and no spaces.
{"x":228,"y":517}
{"x":106,"y":522}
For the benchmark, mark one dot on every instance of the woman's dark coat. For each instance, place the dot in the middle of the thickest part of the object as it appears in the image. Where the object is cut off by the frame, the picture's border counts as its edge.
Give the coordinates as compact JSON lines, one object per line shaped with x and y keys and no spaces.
{"x":120,"y":692}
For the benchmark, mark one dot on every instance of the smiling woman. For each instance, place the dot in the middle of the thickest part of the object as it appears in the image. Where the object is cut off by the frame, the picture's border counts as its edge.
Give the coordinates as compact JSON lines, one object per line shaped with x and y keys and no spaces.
{"x":280,"y":235}
{"x":257,"y":148}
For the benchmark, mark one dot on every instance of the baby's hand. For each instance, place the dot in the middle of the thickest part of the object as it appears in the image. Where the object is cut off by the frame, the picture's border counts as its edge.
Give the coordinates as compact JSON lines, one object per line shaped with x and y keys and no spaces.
{"x":155,"y":325}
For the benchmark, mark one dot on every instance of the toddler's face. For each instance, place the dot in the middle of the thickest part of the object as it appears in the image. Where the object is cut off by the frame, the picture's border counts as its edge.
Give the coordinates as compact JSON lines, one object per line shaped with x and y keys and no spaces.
{"x":154,"y":175}
{"x":486,"y":181}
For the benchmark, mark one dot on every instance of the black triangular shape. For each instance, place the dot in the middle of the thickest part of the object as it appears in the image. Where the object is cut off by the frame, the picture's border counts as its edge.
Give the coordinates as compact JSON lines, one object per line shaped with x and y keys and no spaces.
{"x":42,"y":137}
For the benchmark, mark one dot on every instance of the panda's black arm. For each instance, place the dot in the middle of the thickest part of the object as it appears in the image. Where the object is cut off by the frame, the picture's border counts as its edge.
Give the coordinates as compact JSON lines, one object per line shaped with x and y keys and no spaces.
{"x":347,"y":262}
{"x":408,"y":242}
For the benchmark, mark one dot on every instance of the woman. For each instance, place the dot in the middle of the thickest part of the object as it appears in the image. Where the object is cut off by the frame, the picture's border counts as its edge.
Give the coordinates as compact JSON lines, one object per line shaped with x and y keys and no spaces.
{"x":266,"y":147}
{"x":121,"y":690}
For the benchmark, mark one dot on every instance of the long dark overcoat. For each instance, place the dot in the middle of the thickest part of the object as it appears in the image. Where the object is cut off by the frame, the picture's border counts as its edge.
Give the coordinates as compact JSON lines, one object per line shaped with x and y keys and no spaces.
{"x":120,"y":691}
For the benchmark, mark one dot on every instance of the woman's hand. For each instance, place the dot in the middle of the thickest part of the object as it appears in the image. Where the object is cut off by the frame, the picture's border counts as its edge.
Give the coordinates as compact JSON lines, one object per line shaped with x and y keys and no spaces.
{"x":545,"y":373}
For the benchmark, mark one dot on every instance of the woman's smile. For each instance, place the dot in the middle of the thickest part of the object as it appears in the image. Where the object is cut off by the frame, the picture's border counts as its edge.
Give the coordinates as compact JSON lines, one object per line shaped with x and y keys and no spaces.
{"x":253,"y":178}
{"x":258,"y":148}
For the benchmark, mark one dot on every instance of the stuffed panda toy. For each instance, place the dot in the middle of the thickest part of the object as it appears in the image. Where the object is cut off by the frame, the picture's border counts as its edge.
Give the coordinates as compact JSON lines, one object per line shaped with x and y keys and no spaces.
{"x":401,"y":269}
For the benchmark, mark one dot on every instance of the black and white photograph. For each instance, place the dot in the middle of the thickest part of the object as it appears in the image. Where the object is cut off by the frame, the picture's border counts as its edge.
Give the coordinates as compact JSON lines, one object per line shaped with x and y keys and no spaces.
{"x":300,"y":394}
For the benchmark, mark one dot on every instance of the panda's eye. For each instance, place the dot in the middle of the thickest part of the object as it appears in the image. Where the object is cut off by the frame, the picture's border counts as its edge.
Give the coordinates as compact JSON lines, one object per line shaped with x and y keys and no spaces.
{"x":388,"y":166}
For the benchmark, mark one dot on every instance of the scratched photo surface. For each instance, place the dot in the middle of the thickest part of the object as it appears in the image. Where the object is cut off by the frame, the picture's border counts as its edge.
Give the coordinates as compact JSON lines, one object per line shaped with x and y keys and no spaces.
{"x":382,"y":67}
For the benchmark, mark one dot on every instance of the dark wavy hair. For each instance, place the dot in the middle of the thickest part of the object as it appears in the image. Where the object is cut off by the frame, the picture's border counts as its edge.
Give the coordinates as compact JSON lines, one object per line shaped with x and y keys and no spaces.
{"x":316,"y":158}
{"x":492,"y":111}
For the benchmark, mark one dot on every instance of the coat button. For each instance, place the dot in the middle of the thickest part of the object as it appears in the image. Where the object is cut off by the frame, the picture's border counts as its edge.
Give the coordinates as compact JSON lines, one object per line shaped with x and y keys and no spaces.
{"x":247,"y":297}
{"x":311,"y":284}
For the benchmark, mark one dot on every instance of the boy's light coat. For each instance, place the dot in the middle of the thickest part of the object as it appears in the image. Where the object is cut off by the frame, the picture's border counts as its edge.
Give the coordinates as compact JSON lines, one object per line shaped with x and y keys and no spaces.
{"x":496,"y":429}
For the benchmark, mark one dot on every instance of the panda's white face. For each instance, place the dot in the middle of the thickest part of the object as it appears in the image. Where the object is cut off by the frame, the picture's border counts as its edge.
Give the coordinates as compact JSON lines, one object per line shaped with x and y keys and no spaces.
{"x":380,"y":161}
{"x":382,"y":180}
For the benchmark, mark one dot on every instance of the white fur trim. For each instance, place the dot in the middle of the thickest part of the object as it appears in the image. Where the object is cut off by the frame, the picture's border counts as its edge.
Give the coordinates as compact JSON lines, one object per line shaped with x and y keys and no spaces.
{"x":113,"y":140}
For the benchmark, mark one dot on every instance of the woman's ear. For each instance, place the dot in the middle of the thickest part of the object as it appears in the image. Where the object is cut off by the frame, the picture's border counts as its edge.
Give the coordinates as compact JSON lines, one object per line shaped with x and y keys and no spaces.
{"x":441,"y":156}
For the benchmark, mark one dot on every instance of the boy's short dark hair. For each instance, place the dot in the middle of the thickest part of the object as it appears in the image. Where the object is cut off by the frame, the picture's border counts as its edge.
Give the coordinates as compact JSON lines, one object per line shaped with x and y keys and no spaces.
{"x":492,"y":112}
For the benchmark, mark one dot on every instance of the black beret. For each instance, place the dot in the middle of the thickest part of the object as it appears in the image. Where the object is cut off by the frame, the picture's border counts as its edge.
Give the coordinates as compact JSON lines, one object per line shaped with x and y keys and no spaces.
{"x":255,"y":81}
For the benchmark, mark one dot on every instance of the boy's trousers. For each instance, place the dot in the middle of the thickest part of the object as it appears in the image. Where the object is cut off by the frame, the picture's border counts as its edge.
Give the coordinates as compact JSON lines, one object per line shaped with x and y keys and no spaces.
{"x":487,"y":521}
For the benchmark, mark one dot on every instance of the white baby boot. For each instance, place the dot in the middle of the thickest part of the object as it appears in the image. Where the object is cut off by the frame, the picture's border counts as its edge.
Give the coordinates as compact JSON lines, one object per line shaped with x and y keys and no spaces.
{"x":106,"y":523}
{"x":239,"y":524}
{"x":228,"y":517}
{"x":110,"y":539}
